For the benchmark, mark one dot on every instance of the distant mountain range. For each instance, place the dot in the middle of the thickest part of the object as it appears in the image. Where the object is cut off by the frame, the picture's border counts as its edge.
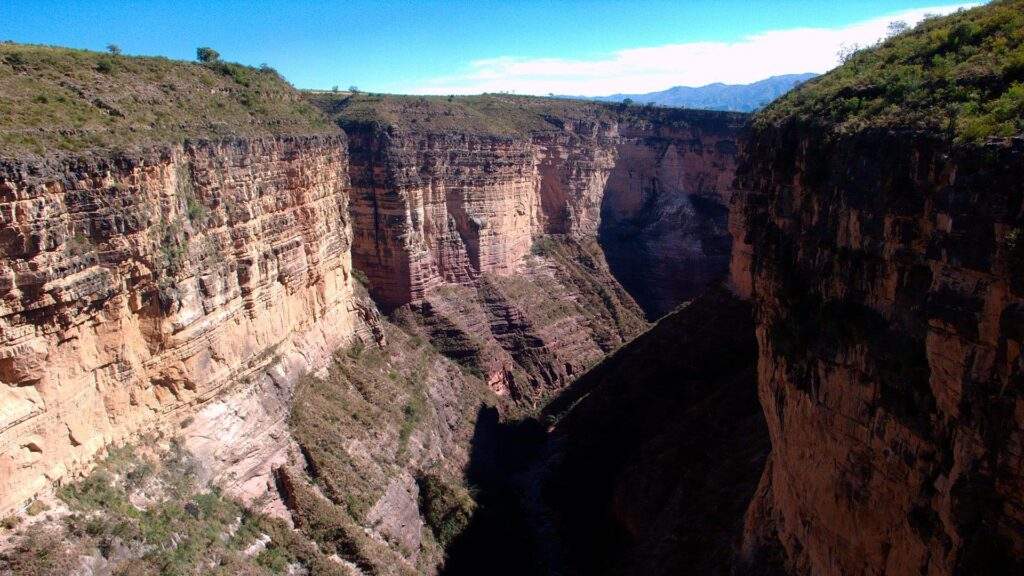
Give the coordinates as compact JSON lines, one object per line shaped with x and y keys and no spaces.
{"x":718,"y":96}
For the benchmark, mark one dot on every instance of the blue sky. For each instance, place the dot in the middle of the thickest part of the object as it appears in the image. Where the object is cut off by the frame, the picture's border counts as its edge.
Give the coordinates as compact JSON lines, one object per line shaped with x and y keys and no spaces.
{"x":526,"y":46}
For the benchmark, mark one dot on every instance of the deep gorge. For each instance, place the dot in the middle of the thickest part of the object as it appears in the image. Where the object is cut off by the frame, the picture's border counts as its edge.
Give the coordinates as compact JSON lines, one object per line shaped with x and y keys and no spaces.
{"x":331,"y":332}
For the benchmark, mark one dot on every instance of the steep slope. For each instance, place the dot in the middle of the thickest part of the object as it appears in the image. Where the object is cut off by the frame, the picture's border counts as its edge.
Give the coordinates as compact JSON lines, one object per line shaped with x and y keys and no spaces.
{"x":645,"y":465}
{"x":718,"y":96}
{"x":883,"y":236}
{"x":657,"y":451}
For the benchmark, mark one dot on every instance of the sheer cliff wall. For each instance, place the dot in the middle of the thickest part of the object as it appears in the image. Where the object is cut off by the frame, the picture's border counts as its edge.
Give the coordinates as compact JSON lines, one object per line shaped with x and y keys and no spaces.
{"x":513,"y":247}
{"x":436,"y":205}
{"x":887,"y":279}
{"x":138,"y":288}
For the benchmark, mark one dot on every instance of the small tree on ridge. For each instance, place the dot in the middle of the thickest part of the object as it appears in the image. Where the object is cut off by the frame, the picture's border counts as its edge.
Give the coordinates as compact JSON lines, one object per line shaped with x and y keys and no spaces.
{"x":207,"y":54}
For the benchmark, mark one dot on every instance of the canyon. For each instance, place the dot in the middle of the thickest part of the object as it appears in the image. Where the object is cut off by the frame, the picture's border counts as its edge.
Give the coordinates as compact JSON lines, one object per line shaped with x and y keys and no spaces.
{"x":213,"y":289}
{"x":519,"y":335}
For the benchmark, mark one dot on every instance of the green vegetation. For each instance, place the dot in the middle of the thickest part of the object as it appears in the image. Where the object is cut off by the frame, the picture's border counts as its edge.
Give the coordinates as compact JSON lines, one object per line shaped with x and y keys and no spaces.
{"x":543,"y":246}
{"x":361,"y":277}
{"x":492,"y":114}
{"x":373,"y":395}
{"x":447,"y":508}
{"x":63,"y":99}
{"x":335,"y":531}
{"x":144,"y":514}
{"x":206,"y":54}
{"x":362,"y":425}
{"x":962,"y":75}
{"x":504,"y":115}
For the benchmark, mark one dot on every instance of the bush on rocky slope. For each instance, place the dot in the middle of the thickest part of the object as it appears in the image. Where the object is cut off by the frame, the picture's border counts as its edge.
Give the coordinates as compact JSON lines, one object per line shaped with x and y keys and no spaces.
{"x":143,"y":512}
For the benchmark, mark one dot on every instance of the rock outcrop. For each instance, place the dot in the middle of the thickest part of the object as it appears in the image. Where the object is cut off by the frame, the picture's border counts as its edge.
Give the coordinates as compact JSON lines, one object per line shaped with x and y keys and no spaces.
{"x":138,"y":288}
{"x":886,"y":272}
{"x":445,"y":202}
{"x":488,"y":233}
{"x":433,"y":208}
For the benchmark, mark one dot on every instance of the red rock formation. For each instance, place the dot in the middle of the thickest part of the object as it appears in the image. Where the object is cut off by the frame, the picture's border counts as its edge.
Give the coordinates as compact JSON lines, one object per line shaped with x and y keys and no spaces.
{"x":138,"y":288}
{"x":887,"y":279}
{"x":531,"y":333}
{"x":433,"y":206}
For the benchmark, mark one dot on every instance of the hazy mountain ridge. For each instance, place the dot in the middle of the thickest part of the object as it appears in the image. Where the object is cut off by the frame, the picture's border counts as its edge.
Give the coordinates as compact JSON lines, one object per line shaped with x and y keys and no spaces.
{"x":718,"y":96}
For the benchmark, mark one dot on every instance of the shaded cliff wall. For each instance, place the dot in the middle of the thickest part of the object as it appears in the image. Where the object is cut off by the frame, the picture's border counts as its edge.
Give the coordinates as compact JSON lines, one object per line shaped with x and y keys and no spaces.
{"x":664,"y":209}
{"x":137,"y":288}
{"x":887,"y":278}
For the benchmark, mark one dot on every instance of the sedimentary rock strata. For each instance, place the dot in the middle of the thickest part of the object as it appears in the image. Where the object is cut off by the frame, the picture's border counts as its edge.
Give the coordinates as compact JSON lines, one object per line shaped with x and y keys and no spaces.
{"x":139,"y":287}
{"x":665,"y":206}
{"x":886,"y":273}
{"x":434,"y":206}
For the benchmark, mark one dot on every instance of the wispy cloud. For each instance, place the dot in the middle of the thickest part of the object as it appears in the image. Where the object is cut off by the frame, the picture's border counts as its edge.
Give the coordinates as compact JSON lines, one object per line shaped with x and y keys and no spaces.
{"x":653,"y":68}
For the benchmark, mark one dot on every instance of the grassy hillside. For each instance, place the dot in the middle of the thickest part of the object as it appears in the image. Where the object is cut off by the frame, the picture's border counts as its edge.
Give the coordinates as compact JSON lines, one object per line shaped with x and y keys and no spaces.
{"x":498,"y":114}
{"x":62,"y":99}
{"x":963,"y":73}
{"x":490,"y":114}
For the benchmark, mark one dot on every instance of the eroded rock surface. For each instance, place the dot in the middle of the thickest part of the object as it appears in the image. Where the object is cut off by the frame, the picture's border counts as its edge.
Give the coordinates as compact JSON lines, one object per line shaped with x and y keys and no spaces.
{"x":665,"y":206}
{"x":887,"y":279}
{"x":445,"y":202}
{"x":137,"y":288}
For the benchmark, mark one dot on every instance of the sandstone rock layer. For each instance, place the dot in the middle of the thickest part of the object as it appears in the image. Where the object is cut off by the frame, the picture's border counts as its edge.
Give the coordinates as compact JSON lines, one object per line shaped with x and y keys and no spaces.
{"x":136,"y":288}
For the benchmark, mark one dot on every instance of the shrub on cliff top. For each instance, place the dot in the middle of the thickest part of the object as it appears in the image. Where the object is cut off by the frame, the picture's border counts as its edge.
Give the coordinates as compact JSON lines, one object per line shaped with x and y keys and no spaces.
{"x":961,"y":75}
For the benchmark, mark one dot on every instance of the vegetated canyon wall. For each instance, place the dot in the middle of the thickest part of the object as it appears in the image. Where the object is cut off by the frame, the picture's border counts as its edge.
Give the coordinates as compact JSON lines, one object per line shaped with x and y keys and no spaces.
{"x":887,"y":271}
{"x":143,"y":289}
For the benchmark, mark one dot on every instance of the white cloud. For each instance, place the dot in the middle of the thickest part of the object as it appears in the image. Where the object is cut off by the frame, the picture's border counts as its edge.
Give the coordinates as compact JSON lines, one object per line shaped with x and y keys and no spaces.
{"x":639,"y":70}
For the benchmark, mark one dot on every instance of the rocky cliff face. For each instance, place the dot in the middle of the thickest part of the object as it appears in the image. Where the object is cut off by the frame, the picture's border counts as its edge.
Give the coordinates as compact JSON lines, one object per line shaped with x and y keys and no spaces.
{"x":886,"y":272}
{"x":137,"y":289}
{"x":665,"y":206}
{"x":434,"y":207}
{"x":455,"y":226}
{"x":489,"y":235}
